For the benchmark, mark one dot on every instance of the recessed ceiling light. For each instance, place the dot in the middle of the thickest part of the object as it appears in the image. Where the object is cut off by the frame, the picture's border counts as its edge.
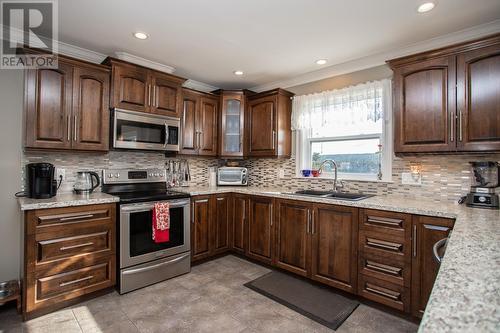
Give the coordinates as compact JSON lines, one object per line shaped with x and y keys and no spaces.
{"x":239,"y":73}
{"x":321,"y":61}
{"x":425,"y":7}
{"x":141,"y":35}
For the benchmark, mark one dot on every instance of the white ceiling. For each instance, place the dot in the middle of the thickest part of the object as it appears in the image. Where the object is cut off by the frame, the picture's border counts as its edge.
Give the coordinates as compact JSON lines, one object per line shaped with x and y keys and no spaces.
{"x":270,"y":40}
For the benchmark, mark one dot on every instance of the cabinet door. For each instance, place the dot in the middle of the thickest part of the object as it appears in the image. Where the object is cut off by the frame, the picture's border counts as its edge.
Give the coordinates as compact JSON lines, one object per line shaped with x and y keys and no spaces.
{"x":90,"y":109}
{"x":260,"y":229}
{"x":232,"y":125}
{"x":293,"y":224}
{"x":207,"y":126}
{"x":220,"y":227}
{"x":478,"y":100}
{"x":424,"y":106}
{"x":166,"y":98}
{"x":200,"y":227}
{"x":239,"y":223}
{"x":189,"y":131}
{"x":131,"y":88}
{"x":262,"y":126}
{"x":334,"y":246}
{"x":426,"y":232}
{"x":48,"y":107}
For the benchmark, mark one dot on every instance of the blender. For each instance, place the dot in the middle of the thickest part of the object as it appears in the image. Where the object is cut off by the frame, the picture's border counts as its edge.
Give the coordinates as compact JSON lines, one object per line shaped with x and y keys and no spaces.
{"x":484,"y":182}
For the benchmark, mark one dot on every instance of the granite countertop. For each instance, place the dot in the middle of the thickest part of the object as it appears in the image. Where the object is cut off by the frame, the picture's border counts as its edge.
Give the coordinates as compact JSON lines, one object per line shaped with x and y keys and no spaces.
{"x":466,"y":294}
{"x":67,"y":200}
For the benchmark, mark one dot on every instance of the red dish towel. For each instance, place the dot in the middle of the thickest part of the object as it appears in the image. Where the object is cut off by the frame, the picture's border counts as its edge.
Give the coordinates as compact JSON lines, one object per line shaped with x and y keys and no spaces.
{"x":161,"y":222}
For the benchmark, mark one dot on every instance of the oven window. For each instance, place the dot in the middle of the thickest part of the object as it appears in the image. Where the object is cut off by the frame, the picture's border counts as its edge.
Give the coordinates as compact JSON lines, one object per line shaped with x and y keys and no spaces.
{"x":141,"y":241}
{"x":132,"y":131}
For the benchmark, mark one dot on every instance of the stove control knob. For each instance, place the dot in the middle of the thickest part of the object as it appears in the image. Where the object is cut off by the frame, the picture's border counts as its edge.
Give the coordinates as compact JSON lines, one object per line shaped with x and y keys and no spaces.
{"x":156,"y":175}
{"x":117,"y":175}
{"x":110,"y":175}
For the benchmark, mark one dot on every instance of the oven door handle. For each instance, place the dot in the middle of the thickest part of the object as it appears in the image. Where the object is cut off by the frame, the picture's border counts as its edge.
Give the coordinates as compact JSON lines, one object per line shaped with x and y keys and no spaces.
{"x":149,"y":268}
{"x":146,"y":207}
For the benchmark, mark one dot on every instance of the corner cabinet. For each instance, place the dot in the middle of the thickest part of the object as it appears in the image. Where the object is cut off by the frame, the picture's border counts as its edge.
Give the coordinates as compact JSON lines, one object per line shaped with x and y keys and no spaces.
{"x":260,"y":241}
{"x":269,"y":124}
{"x":232,"y":123}
{"x":67,"y":108}
{"x":141,"y":89}
{"x":446,"y":100}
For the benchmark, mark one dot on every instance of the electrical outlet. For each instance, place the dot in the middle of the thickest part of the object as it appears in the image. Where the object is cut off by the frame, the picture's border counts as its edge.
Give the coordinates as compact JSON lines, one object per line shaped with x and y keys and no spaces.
{"x":407,"y":178}
{"x":60,"y":172}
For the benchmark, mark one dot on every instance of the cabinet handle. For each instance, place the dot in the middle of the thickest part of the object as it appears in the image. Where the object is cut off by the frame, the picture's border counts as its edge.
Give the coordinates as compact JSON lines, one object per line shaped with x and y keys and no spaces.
{"x":149,"y":94}
{"x":460,"y":134}
{"x":63,"y":284}
{"x":383,"y":244}
{"x":452,"y":125}
{"x":312,"y":223}
{"x":220,"y":199}
{"x":383,"y":268}
{"x":383,"y":293}
{"x":308,"y":225}
{"x":75,"y":126}
{"x":271,"y":213}
{"x":69,"y":127}
{"x":192,"y":213}
{"x":155,"y":102}
{"x":71,"y":218}
{"x":64,"y":248}
{"x":274,"y":139}
{"x":385,"y":220}
{"x":414,"y":240}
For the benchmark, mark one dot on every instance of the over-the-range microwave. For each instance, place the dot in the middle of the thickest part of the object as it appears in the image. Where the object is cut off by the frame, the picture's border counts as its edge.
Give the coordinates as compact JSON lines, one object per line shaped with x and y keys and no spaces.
{"x":136,"y":130}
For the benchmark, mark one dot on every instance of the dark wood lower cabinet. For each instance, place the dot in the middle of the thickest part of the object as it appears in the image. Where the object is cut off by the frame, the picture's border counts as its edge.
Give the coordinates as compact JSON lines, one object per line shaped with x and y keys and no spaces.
{"x":260,"y":229}
{"x":239,"y":223}
{"x":334,"y":246}
{"x":221,"y":223}
{"x":426,"y":232}
{"x":200,"y":227}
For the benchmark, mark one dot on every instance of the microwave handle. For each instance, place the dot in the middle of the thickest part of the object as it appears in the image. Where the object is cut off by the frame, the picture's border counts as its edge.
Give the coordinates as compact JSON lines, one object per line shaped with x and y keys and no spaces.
{"x":166,"y":135}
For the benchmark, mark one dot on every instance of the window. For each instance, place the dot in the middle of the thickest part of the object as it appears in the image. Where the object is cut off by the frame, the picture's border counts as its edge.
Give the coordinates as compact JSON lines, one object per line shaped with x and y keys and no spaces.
{"x":350,"y":126}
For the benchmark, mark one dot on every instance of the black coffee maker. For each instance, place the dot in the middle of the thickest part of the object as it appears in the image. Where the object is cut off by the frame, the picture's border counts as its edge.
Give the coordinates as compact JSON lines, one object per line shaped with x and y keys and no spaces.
{"x":40,"y":180}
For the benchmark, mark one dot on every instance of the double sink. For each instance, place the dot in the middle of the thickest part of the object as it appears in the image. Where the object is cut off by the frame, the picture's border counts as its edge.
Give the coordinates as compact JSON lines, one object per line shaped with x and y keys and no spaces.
{"x":333,"y":195}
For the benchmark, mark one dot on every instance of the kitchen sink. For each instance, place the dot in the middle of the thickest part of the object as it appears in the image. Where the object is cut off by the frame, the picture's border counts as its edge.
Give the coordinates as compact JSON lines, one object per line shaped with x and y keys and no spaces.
{"x":334,"y":195}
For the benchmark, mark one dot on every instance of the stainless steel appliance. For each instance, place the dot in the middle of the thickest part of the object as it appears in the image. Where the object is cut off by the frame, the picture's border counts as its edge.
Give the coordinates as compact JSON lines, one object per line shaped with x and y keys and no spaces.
{"x":40,"y":181}
{"x":142,"y":261}
{"x":84,"y":183}
{"x":135,"y":130}
{"x":235,"y":176}
{"x":484,"y":185}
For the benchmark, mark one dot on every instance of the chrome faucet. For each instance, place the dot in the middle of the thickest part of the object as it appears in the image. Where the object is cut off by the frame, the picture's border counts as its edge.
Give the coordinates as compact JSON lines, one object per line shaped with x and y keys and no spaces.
{"x":335,"y":180}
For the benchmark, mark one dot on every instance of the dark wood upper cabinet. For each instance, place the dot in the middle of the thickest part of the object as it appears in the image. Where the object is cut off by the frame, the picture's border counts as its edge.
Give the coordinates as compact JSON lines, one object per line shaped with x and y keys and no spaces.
{"x":221,"y":223}
{"x":167,"y":93}
{"x":478,"y":101}
{"x":426,"y":232}
{"x":91,"y":109}
{"x":260,"y":229}
{"x":447,"y":100}
{"x":67,"y":107}
{"x":199,"y":123}
{"x":232,"y":124}
{"x":269,"y":124}
{"x":239,"y":223}
{"x":200,"y":227}
{"x":293,"y":224}
{"x":334,"y":245}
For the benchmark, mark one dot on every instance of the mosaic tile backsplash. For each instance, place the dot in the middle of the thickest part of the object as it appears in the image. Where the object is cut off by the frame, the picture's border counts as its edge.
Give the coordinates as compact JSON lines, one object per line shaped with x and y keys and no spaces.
{"x":444,"y":177}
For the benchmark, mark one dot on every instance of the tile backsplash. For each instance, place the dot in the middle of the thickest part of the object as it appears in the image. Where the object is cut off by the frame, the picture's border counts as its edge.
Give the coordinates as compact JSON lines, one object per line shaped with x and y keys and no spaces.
{"x":444,"y":177}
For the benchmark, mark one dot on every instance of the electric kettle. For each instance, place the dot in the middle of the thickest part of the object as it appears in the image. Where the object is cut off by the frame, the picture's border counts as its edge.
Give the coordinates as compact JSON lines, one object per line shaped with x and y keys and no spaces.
{"x":85,"y":183}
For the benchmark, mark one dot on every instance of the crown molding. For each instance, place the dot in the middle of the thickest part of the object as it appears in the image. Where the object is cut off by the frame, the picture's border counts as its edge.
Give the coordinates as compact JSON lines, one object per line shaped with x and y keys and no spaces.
{"x":380,"y":58}
{"x":144,"y":62}
{"x":200,"y":86}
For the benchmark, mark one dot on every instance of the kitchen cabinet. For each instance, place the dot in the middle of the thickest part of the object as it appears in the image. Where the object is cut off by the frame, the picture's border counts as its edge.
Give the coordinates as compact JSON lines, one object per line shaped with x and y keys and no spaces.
{"x":446,"y":100}
{"x":269,"y":124}
{"x":140,"y":89}
{"x":221,"y":223}
{"x":69,"y":255}
{"x":334,"y":243}
{"x":260,"y":242}
{"x":293,"y":228}
{"x":426,"y":232}
{"x":199,"y":123}
{"x":240,"y":207}
{"x":67,"y":108}
{"x":201,"y":212}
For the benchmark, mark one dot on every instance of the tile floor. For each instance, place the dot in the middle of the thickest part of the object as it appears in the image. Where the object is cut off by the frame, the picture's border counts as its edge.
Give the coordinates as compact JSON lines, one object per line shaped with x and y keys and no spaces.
{"x":211,"y":298}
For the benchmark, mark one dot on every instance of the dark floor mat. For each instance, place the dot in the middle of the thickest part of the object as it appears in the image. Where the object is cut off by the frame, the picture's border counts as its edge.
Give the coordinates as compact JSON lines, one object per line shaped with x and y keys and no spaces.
{"x":318,"y":303}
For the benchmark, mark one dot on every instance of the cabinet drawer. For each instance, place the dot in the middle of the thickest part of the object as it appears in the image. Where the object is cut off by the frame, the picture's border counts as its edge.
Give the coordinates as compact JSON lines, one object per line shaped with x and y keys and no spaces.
{"x":384,"y":292}
{"x":387,"y":268}
{"x":384,"y":245}
{"x":60,"y":248}
{"x":76,"y":282}
{"x":396,"y":224}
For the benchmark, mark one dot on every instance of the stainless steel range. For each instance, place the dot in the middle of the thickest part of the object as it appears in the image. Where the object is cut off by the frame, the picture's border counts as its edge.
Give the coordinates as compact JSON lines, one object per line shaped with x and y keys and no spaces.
{"x":142,"y":261}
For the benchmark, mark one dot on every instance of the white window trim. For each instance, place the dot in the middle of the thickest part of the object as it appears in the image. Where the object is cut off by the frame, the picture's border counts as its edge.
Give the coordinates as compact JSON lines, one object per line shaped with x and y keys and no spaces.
{"x":303,"y":145}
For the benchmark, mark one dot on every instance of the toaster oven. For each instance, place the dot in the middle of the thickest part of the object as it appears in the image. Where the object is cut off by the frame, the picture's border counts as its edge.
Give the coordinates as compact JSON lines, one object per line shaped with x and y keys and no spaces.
{"x":232,"y":176}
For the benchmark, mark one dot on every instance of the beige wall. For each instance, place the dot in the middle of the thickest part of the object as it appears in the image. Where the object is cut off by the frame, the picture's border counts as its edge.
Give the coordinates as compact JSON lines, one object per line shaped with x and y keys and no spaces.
{"x":342,"y":81}
{"x":11,"y":108}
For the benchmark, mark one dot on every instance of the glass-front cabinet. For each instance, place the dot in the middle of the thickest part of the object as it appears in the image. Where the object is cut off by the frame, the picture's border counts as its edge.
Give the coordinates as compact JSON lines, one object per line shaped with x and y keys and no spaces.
{"x":232,"y":124}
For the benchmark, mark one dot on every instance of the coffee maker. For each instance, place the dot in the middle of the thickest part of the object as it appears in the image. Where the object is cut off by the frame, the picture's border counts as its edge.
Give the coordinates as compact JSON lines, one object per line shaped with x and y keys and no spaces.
{"x":40,"y":181}
{"x":484,"y":184}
